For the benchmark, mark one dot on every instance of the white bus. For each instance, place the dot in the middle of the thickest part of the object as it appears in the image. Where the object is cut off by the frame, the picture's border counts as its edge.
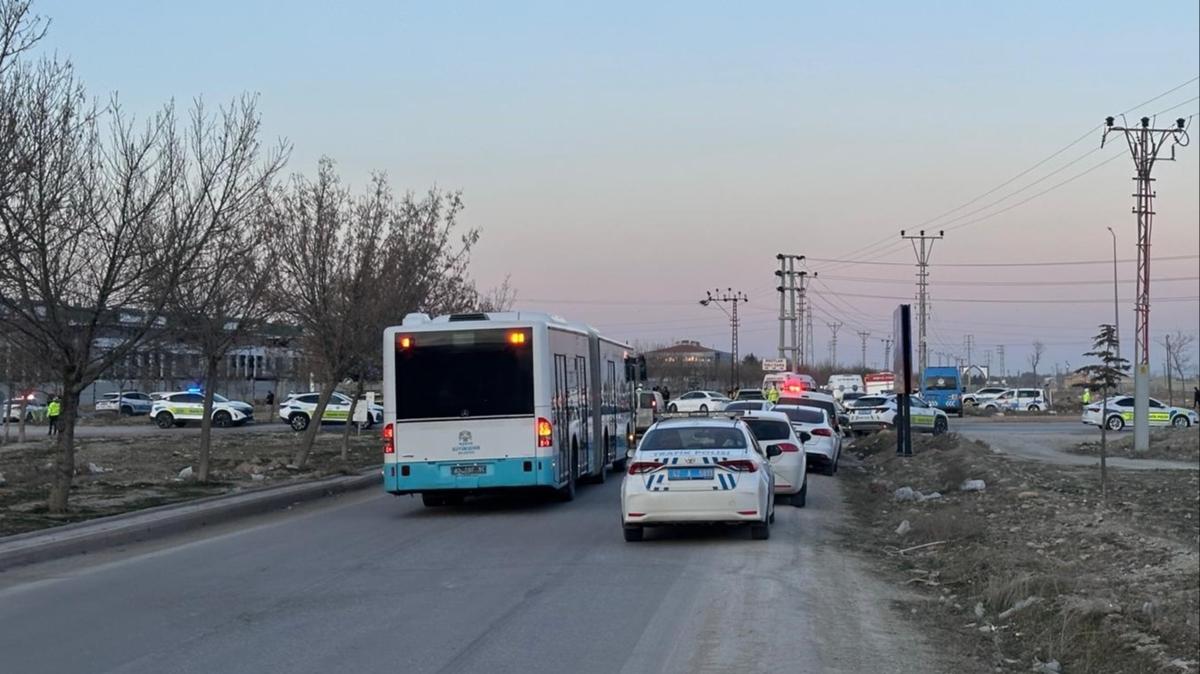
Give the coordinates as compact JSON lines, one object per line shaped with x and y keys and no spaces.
{"x":474,"y":403}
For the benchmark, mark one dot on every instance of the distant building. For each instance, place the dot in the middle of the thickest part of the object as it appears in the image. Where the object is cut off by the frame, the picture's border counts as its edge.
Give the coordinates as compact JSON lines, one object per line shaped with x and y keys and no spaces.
{"x":689,"y":364}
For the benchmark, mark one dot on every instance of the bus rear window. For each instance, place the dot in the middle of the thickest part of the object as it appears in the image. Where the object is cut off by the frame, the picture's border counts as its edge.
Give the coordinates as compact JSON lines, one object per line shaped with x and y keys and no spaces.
{"x":464,"y":373}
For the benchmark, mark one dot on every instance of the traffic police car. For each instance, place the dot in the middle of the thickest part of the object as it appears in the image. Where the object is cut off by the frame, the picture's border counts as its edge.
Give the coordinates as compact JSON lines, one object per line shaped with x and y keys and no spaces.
{"x":874,"y":413}
{"x":699,"y":470}
{"x":298,"y":409}
{"x":176,"y":409}
{"x":1120,"y":413}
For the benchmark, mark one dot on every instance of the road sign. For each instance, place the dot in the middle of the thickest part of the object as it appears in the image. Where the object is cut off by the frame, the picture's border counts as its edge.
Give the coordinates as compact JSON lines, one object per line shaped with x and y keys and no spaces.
{"x":774,"y":365}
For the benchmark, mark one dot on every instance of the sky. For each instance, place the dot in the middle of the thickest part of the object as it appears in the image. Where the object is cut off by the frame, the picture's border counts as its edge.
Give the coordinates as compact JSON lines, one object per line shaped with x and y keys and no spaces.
{"x":623,"y":158}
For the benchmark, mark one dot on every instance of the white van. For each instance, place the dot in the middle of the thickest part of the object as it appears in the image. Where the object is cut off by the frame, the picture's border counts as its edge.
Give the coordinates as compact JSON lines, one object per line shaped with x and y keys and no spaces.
{"x":845,"y":383}
{"x":788,"y":382}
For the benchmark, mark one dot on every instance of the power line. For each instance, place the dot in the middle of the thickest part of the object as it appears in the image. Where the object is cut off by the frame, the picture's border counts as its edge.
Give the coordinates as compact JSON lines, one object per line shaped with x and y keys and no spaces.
{"x":734,"y":298}
{"x":1044,"y":263}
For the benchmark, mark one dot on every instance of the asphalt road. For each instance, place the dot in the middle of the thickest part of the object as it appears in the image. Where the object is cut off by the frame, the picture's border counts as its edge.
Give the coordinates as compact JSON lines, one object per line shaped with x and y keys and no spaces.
{"x":1046,"y":441}
{"x":374,"y":583}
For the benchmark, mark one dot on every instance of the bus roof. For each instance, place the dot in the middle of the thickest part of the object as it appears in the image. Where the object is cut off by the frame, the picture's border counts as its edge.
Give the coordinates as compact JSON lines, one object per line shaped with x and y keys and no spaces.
{"x":484,"y":320}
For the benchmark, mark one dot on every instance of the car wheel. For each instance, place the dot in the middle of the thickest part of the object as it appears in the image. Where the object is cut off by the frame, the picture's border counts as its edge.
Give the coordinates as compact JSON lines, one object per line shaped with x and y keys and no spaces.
{"x":1116,"y":423}
{"x":672,"y":408}
{"x":704,"y":408}
{"x":829,"y":468}
{"x":633,"y":534}
{"x":1180,"y":421}
{"x":760,"y":532}
{"x":126,"y":411}
{"x":1034,"y":408}
{"x":940,"y":426}
{"x":222,"y":419}
{"x":164,"y":420}
{"x":430,"y":501}
{"x":298,"y":421}
{"x":800,"y":498}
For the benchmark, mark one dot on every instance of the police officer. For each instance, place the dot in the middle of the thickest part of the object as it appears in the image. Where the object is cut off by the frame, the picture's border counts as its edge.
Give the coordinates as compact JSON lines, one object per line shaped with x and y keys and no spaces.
{"x":52,"y":411}
{"x":1087,"y":396}
{"x":773,"y":394}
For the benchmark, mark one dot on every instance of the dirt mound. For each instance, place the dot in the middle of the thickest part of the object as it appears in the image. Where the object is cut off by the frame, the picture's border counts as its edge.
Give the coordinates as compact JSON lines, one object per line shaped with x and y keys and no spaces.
{"x":1175,"y":444}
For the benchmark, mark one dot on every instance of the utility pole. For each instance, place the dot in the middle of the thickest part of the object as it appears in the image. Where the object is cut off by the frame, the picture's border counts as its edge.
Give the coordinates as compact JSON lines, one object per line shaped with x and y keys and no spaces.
{"x":1144,"y":145}
{"x":887,"y":351}
{"x":969,"y":343}
{"x":731,"y":297}
{"x":864,"y":335}
{"x":833,"y":330}
{"x":923,"y":251}
{"x":1000,"y":357}
{"x":789,"y":316}
{"x":805,"y":319}
{"x":987,"y":361}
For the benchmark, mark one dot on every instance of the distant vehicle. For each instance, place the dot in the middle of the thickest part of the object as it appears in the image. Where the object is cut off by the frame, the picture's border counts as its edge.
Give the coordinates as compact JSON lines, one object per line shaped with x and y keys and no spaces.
{"x":159,"y":395}
{"x":699,"y":470}
{"x":789,"y":382}
{"x":774,"y":429}
{"x":698,"y":401}
{"x":879,"y":382}
{"x":824,"y":447}
{"x":851,"y":396}
{"x":485,"y":402}
{"x":126,"y":403}
{"x":941,"y":386}
{"x":880,"y":414}
{"x":1020,"y":399}
{"x":837,"y":413}
{"x":749,"y":394}
{"x":749,"y":406}
{"x":840,"y":384}
{"x":298,"y":408}
{"x":982,"y":395}
{"x":649,"y":406}
{"x":34,"y":410}
{"x":1120,"y":414}
{"x":176,"y":409}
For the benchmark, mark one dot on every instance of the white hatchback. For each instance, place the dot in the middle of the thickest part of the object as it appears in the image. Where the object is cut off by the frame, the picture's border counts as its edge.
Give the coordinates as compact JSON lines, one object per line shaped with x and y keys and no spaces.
{"x":697,"y":471}
{"x":824,"y":446}
{"x":775,"y":429}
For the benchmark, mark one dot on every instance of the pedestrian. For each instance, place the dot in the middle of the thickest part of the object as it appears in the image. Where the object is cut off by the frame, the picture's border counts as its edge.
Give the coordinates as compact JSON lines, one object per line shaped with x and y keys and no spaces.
{"x":772,"y":394}
{"x":270,"y":398}
{"x":53,"y":409}
{"x":1196,"y":398}
{"x":1087,"y":396}
{"x":666,"y":394}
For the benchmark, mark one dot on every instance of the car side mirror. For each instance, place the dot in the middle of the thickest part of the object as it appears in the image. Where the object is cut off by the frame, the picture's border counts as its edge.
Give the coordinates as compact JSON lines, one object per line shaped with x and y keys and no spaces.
{"x":773,"y":451}
{"x":805,"y":436}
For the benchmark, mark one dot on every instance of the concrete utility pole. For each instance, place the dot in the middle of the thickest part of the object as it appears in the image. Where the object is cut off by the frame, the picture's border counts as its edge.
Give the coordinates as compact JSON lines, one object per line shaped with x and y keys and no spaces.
{"x":805,"y":319}
{"x":1144,"y":145}
{"x":1000,"y":358}
{"x":923,"y":252}
{"x":731,"y":297}
{"x":887,"y":351}
{"x":833,"y":330}
{"x":790,"y":316}
{"x":864,"y":335}
{"x":969,"y":343}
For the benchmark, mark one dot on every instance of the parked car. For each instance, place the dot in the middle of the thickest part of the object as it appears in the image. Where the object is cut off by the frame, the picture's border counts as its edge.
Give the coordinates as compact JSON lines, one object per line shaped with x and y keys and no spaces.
{"x":177,"y":409}
{"x":126,"y":403}
{"x":298,"y":409}
{"x":824,"y":446}
{"x":749,"y":406}
{"x":699,"y":401}
{"x":749,"y":394}
{"x":879,"y":412}
{"x":1121,"y":414}
{"x":34,"y":409}
{"x":982,"y":395}
{"x":790,"y":466}
{"x":1019,"y":399}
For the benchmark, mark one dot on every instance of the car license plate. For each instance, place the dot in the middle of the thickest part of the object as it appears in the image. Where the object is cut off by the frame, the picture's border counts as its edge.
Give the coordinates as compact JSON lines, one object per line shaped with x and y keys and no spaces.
{"x":689,"y":473}
{"x":473,"y":469}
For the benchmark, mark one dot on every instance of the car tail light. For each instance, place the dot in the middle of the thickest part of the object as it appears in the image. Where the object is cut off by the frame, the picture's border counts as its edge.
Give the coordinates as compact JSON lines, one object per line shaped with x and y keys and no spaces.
{"x":823,"y":432}
{"x":739,"y":465}
{"x":389,"y":439}
{"x":639,"y":467}
{"x":545,"y":433}
{"x":747,"y":512}
{"x":787,"y":447}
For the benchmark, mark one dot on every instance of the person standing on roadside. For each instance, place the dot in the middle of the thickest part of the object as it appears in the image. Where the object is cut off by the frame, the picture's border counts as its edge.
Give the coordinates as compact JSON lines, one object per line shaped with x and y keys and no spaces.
{"x":52,"y":411}
{"x":1196,"y":398}
{"x":1087,"y":396}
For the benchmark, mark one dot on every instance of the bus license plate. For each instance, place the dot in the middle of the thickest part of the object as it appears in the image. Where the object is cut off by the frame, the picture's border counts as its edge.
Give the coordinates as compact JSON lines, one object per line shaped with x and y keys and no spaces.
{"x":689,"y":473}
{"x":473,"y":469}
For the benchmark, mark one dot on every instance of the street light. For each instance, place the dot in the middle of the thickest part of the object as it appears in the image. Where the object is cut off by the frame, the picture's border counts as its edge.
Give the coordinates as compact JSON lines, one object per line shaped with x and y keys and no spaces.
{"x":1116,"y":303}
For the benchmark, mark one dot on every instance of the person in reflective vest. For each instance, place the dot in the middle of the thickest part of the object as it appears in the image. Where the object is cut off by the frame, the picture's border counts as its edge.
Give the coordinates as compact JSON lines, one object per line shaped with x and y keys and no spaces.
{"x":52,"y":412}
{"x":1087,"y":396}
{"x":773,"y":394}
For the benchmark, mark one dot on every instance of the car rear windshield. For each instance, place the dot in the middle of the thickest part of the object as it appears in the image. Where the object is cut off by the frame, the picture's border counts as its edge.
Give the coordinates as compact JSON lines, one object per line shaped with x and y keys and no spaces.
{"x":769,"y":431}
{"x":464,"y":373}
{"x":868,"y":402}
{"x":693,"y":437}
{"x":743,"y":405}
{"x":645,"y":400}
{"x":803,"y":415}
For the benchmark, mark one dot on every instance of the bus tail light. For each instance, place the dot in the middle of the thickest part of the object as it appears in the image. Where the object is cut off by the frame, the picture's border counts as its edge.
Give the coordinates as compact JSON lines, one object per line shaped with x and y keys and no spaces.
{"x":545,"y":433}
{"x":739,"y":465}
{"x":823,"y":432}
{"x":404,"y":341}
{"x":787,"y":447}
{"x":389,"y":439}
{"x":639,"y":467}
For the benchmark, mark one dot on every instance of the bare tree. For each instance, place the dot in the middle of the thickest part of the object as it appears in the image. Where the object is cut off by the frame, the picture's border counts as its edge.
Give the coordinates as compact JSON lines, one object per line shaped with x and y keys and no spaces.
{"x":1106,"y":375}
{"x":1178,"y":357}
{"x":100,"y":222}
{"x":1035,"y":358}
{"x":500,"y":298}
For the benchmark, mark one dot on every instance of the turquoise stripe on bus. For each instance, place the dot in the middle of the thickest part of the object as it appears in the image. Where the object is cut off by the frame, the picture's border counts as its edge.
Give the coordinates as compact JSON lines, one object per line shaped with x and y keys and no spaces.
{"x":436,"y":475}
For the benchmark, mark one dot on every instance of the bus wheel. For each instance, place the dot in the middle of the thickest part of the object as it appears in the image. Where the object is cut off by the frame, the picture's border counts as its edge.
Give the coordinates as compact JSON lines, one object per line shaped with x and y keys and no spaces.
{"x":567,"y":493}
{"x":430,"y":501}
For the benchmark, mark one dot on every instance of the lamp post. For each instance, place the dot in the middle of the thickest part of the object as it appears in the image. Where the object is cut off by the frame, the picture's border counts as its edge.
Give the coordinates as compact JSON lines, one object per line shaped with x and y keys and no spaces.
{"x":1116,"y":303}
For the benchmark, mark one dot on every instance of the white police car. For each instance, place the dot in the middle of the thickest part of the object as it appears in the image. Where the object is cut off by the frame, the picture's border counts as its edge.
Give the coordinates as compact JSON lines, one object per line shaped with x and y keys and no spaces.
{"x":298,"y":409}
{"x":874,"y":413}
{"x":176,"y":409}
{"x":1120,"y":414}
{"x":699,"y":470}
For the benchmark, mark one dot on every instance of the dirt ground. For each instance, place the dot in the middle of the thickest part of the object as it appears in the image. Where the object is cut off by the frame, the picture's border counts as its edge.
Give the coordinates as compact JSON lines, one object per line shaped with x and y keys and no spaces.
{"x":1035,"y":567}
{"x":1179,"y":444}
{"x":116,"y":475}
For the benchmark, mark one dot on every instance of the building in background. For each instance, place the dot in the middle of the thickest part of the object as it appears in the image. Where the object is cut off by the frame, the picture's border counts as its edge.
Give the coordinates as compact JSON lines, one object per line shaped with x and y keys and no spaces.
{"x":688,"y":365}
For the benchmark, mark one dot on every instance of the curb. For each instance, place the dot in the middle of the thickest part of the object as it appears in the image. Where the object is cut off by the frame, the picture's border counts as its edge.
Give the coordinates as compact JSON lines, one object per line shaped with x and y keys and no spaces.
{"x":143,"y":525}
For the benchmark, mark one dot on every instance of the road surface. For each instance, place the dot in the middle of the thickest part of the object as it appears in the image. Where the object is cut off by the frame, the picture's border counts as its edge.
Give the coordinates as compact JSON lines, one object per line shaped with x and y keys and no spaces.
{"x":1048,"y":440}
{"x":375,"y":583}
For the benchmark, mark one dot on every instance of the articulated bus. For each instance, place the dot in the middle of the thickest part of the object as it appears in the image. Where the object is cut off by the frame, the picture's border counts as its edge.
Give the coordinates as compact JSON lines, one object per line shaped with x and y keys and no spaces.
{"x":476,"y":403}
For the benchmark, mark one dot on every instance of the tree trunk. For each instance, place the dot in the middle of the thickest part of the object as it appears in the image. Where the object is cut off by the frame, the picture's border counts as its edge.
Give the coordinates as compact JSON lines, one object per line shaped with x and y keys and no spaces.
{"x":7,"y":413}
{"x":300,"y":459}
{"x":64,"y":465}
{"x":210,"y":384}
{"x":358,"y":391}
{"x":23,"y":413}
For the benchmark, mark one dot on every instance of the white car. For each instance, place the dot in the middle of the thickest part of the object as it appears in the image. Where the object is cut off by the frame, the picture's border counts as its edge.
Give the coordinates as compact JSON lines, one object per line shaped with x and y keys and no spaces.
{"x":775,"y":429}
{"x":699,"y":470}
{"x":1120,"y":414}
{"x":875,"y":413}
{"x":126,"y":403}
{"x":1019,"y":399}
{"x":699,"y":401}
{"x":824,"y":447}
{"x":176,"y":409}
{"x":34,"y":410}
{"x":297,"y":410}
{"x":982,"y":395}
{"x":749,"y":406}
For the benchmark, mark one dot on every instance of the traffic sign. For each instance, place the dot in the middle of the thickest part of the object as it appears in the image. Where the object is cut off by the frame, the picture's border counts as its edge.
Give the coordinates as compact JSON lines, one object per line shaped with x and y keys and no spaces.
{"x":774,"y":365}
